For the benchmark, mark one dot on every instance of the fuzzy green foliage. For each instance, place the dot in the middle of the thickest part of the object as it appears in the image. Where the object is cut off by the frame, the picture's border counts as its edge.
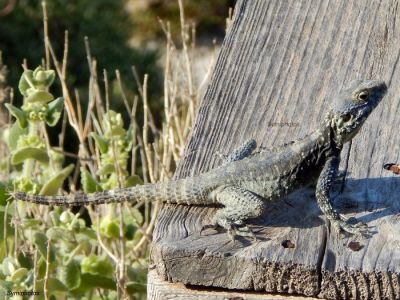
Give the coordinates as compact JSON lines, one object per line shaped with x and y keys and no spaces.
{"x":75,"y":269}
{"x":65,"y":245}
{"x":109,"y":33}
{"x":103,"y":252}
{"x":26,"y":142}
{"x":114,"y":145}
{"x":205,"y":14}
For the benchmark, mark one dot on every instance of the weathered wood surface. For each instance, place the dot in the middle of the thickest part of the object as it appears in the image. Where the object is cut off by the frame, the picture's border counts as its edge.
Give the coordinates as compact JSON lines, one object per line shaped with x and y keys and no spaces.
{"x":278,"y":66}
{"x":162,"y":290}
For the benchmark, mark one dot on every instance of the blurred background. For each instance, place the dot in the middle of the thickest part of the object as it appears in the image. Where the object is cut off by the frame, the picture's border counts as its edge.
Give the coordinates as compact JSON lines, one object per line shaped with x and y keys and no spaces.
{"x":164,"y":51}
{"x":122,"y":33}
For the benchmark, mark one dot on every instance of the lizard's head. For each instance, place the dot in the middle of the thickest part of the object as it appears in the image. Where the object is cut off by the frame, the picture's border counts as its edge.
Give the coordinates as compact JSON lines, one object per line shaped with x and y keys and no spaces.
{"x":352,"y":106}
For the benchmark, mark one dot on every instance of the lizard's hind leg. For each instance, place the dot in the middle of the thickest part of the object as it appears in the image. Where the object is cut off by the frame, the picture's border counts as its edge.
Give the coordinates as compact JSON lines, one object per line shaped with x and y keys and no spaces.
{"x":239,"y":205}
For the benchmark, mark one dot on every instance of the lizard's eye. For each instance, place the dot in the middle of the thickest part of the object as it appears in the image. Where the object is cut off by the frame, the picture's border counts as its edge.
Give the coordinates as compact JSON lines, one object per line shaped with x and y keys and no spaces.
{"x":363,"y":96}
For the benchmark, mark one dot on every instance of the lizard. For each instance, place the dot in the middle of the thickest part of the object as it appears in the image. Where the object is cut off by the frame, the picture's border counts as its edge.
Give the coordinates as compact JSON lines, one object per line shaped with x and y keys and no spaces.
{"x":247,"y":180}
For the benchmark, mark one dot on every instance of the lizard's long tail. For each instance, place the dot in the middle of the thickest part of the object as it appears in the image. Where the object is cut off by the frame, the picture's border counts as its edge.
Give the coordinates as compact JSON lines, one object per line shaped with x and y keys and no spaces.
{"x":184,"y":191}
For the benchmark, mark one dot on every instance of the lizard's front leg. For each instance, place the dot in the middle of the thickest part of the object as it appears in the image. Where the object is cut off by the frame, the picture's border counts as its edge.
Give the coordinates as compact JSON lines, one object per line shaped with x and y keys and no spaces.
{"x":324,"y":184}
{"x":239,"y":153}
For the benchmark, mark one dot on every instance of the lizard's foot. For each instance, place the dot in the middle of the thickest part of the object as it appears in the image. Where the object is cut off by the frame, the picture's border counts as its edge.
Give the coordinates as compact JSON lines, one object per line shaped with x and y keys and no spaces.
{"x":243,"y":151}
{"x":356,"y":229}
{"x":235,"y":228}
{"x":241,"y":229}
{"x":244,"y":231}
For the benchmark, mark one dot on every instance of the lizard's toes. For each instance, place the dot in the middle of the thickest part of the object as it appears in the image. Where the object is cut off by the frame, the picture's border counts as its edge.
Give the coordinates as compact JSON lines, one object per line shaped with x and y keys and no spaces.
{"x":239,"y":231}
{"x":357,"y":229}
{"x":245,"y":231}
{"x":233,"y":227}
{"x":220,"y":225}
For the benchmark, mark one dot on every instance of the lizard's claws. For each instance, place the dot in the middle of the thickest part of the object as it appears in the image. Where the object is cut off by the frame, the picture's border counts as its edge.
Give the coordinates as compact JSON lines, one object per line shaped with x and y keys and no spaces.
{"x":245,"y":231}
{"x":233,"y":231}
{"x":357,"y":229}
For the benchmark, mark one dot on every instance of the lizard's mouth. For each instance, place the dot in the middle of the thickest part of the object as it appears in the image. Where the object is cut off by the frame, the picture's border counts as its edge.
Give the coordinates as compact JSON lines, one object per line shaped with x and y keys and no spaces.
{"x":351,"y":122}
{"x":348,"y":124}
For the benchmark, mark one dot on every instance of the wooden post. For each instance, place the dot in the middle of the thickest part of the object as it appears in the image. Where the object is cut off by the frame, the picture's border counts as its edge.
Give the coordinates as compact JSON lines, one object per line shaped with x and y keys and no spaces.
{"x":279,"y":65}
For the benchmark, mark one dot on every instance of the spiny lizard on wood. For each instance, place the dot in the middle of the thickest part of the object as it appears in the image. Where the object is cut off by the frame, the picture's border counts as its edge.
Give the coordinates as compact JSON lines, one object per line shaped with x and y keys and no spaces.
{"x":247,"y":181}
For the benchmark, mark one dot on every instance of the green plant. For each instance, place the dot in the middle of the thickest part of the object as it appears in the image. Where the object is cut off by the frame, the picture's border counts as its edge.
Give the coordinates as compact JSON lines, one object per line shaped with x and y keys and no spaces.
{"x":99,"y":252}
{"x":26,"y":138}
{"x":81,"y":18}
{"x":115,"y":145}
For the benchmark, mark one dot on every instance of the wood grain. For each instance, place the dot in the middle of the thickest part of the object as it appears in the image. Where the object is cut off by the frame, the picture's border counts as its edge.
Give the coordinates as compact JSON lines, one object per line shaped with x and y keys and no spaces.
{"x":279,"y":65}
{"x":161,"y":290}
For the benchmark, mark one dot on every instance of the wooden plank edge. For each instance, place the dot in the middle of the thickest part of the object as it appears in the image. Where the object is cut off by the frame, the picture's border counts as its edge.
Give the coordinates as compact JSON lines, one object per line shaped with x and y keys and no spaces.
{"x":158,"y":289}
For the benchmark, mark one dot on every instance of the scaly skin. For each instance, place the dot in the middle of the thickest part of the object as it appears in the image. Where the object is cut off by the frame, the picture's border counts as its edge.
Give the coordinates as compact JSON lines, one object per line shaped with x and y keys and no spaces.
{"x":246,"y":182}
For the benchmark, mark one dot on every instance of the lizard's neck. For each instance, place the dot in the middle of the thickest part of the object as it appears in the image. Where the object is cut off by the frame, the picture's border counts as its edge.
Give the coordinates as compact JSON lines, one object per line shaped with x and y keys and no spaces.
{"x":318,"y":142}
{"x":325,"y":140}
{"x":307,"y":157}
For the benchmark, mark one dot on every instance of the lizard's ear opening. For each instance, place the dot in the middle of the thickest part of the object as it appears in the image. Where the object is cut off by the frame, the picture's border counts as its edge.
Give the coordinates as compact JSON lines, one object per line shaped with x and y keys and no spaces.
{"x":346,"y":117}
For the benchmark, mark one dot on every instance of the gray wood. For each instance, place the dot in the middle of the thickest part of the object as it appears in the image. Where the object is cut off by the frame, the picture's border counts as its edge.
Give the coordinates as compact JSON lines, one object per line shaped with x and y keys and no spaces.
{"x":279,"y":64}
{"x":162,"y":290}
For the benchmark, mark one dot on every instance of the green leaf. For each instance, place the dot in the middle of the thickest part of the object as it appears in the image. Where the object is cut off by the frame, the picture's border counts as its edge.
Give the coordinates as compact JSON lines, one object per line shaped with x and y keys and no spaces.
{"x":135,"y":213}
{"x":4,"y":195}
{"x":66,"y":217}
{"x":136,"y":287}
{"x":52,"y":186}
{"x":55,"y":218}
{"x":86,"y":234}
{"x":137,"y":278}
{"x":130,"y":230}
{"x":129,"y":134}
{"x":106,"y":169}
{"x":19,"y":114}
{"x":9,"y":265}
{"x":39,"y":96}
{"x":56,"y":233}
{"x":13,"y":135}
{"x":101,"y":142}
{"x":42,"y":78}
{"x":28,"y":222}
{"x":71,"y":275}
{"x":89,"y":184}
{"x":40,"y":240}
{"x":23,"y":84}
{"x":7,"y":285}
{"x":41,"y":267}
{"x":95,"y":265}
{"x":77,"y":224}
{"x":25,"y":260}
{"x":133,"y":180}
{"x":54,"y":112}
{"x":109,"y":227}
{"x":29,"y":153}
{"x":56,"y":285}
{"x":50,"y":76}
{"x":19,"y":274}
{"x":90,"y":281}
